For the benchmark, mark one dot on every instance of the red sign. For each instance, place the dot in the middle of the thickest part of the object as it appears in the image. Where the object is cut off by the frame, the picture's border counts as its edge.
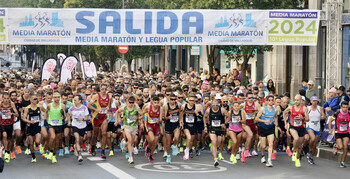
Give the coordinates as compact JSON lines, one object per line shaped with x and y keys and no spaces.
{"x":123,"y":48}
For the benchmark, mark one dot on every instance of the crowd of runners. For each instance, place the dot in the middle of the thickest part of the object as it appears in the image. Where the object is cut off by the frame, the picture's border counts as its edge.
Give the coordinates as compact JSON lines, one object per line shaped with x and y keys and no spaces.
{"x":180,"y":115}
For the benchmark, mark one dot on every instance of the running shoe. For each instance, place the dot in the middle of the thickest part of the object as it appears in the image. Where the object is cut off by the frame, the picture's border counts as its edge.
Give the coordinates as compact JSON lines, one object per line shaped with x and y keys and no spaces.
{"x":42,"y":149}
{"x":151,"y":159}
{"x":198,"y":153}
{"x":289,"y":152}
{"x":342,"y":165}
{"x":7,"y":157}
{"x":269,"y":164}
{"x":263,"y":160}
{"x":335,"y":150}
{"x":273,"y":156}
{"x":234,"y":160}
{"x":49,"y":157}
{"x":135,"y":150}
{"x":216,"y":163}
{"x":54,"y":159}
{"x":111,"y":153}
{"x":191,"y":153}
{"x":243,"y":159}
{"x":80,"y":158}
{"x":98,"y":144}
{"x":140,"y":145}
{"x":60,"y":153}
{"x":168,"y":159}
{"x":184,"y":158}
{"x":181,"y":149}
{"x":294,"y":157}
{"x":165,"y":154}
{"x":131,"y":160}
{"x":27,"y":152}
{"x":231,"y":157}
{"x":83,"y":146}
{"x":238,"y":156}
{"x":127,"y":155}
{"x":220,"y":157}
{"x":311,"y":161}
{"x":297,"y":163}
{"x":173,"y":148}
{"x":246,"y":153}
{"x":13,"y":155}
{"x":254,"y":153}
{"x":44,"y":155}
{"x":18,"y":150}
{"x":33,"y":160}
{"x":103,"y":156}
{"x":147,"y":152}
{"x":66,"y":151}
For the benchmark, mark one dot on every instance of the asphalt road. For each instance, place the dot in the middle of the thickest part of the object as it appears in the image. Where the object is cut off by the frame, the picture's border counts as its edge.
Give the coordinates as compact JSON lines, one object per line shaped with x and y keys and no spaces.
{"x":198,"y":167}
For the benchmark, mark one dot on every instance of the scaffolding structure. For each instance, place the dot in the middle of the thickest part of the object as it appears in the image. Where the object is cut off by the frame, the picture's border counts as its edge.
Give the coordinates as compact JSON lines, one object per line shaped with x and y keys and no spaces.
{"x":332,"y":10}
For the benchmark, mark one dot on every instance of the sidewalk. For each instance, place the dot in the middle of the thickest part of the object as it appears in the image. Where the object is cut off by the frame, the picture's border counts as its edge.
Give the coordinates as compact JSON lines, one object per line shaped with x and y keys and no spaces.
{"x":326,"y":152}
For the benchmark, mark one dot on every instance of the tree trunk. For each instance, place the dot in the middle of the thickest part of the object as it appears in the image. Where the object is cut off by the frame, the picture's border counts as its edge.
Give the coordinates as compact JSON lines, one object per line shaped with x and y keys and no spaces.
{"x":112,"y":62}
{"x":211,"y":56}
{"x":244,"y":67}
{"x":129,"y":65}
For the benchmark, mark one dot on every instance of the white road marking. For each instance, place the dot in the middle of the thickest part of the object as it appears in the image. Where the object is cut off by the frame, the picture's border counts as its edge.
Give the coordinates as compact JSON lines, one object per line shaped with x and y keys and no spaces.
{"x":226,"y":162}
{"x":95,"y":158}
{"x":115,"y":171}
{"x":179,"y":167}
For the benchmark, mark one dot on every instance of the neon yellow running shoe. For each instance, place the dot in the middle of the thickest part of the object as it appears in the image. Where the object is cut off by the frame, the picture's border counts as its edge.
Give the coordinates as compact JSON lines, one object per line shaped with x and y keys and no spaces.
{"x":42,"y":148}
{"x":49,"y":157}
{"x":297,"y":163}
{"x":54,"y":159}
{"x":294,"y":157}
{"x":33,"y":160}
{"x":220,"y":156}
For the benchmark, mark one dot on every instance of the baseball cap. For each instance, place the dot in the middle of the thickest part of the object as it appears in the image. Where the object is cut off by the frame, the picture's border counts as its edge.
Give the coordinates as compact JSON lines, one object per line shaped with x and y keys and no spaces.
{"x":340,"y":87}
{"x":303,"y":98}
{"x":314,"y":98}
{"x":218,"y":96}
{"x":311,"y":82}
{"x":332,"y":90}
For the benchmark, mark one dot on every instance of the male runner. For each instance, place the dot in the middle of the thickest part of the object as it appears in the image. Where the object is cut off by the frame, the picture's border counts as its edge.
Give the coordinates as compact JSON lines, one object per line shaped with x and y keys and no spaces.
{"x":216,"y":116}
{"x":32,"y":116}
{"x":190,"y":124}
{"x":78,"y":114}
{"x":101,"y":107}
{"x":54,"y":115}
{"x":8,"y":111}
{"x":341,"y":130}
{"x":299,"y":115}
{"x":132,"y":119}
{"x":173,"y":116}
{"x":153,"y":116}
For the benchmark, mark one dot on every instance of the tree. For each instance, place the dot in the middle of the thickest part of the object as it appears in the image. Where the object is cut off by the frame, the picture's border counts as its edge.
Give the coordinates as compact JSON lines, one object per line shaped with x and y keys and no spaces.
{"x":139,"y":52}
{"x":234,"y":51}
{"x":107,"y":53}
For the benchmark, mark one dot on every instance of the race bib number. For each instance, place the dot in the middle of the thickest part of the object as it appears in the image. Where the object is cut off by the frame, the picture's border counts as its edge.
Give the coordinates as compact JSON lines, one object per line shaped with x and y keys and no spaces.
{"x":215,"y":123}
{"x":190,"y":119}
{"x":35,"y":119}
{"x":5,"y":116}
{"x":235,"y":119}
{"x":78,"y":121}
{"x":343,"y":127}
{"x":174,"y":119}
{"x":315,"y":122}
{"x":250,"y":115}
{"x":55,"y":122}
{"x":104,"y":111}
{"x":130,"y":119}
{"x":298,"y":123}
{"x":153,"y":120}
